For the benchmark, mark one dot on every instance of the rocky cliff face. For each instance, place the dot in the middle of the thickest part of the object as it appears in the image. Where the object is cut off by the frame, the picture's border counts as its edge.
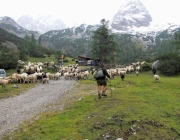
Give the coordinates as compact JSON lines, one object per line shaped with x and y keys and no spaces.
{"x":131,"y":13}
{"x":11,"y":26}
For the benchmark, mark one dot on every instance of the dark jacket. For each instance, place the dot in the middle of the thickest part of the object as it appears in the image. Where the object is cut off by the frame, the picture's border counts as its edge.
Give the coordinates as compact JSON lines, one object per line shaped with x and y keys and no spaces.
{"x":105,"y":74}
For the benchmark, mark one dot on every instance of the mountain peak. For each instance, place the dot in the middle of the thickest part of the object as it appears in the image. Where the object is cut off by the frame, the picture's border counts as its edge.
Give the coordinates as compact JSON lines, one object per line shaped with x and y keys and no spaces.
{"x":131,"y":14}
{"x":41,"y":23}
{"x":11,"y":26}
{"x":8,"y":20}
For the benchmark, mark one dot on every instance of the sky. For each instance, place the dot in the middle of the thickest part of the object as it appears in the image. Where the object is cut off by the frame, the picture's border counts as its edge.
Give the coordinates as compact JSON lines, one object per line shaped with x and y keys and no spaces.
{"x":88,"y":11}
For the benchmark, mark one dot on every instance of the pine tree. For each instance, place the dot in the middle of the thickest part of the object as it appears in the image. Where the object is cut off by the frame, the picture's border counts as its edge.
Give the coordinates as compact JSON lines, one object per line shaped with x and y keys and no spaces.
{"x":104,"y":47}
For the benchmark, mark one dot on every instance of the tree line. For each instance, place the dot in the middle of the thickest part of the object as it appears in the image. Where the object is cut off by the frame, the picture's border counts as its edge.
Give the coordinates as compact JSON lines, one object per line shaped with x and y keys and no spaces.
{"x":112,"y":49}
{"x":28,"y":46}
{"x":109,"y":47}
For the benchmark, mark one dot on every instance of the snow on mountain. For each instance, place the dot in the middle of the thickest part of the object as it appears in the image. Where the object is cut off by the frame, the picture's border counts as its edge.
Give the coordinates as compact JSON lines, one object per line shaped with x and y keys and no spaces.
{"x":152,"y":30}
{"x":131,"y":14}
{"x":9,"y":20}
{"x":11,"y":26}
{"x":41,"y":23}
{"x":133,"y":18}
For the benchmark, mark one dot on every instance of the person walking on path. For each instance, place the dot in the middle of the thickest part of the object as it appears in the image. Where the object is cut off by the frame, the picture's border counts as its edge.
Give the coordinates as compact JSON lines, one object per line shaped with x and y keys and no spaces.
{"x":101,"y":81}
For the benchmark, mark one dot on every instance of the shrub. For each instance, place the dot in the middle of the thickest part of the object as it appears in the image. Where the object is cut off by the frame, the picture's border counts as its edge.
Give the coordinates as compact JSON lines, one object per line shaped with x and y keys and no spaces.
{"x":19,"y":66}
{"x":146,"y":66}
{"x":169,"y":64}
{"x":65,"y":60}
{"x":169,"y":67}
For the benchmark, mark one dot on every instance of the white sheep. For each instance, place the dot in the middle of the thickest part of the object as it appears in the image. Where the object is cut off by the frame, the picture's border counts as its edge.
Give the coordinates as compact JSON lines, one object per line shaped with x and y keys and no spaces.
{"x":57,"y":75}
{"x":138,"y":68}
{"x":71,"y":76}
{"x":137,"y":73}
{"x":79,"y":75}
{"x":86,"y":74}
{"x":156,"y":77}
{"x":122,"y":72}
{"x":66,"y":75}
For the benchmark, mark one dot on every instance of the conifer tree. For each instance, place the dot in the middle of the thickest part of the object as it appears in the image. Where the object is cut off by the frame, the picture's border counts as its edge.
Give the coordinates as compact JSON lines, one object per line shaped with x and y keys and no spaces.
{"x":104,"y":46}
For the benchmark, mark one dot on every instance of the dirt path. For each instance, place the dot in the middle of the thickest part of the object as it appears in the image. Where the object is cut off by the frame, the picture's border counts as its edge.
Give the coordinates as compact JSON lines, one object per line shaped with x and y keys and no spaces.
{"x":15,"y":110}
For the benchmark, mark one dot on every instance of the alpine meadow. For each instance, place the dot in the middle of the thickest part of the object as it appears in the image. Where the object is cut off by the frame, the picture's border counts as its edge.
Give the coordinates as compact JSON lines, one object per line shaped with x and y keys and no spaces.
{"x":50,"y":90}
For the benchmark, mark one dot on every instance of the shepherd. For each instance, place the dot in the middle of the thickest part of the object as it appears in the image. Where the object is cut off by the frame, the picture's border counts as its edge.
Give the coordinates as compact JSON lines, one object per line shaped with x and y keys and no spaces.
{"x":154,"y":66}
{"x":101,"y":81}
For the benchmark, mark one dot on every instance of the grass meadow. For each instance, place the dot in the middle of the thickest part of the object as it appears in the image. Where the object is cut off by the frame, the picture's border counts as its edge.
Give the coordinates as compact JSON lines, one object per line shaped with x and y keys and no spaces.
{"x":137,"y":108}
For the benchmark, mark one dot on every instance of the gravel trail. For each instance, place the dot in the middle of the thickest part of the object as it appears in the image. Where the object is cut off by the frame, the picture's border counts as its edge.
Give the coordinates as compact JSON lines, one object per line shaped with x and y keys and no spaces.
{"x":15,"y":110}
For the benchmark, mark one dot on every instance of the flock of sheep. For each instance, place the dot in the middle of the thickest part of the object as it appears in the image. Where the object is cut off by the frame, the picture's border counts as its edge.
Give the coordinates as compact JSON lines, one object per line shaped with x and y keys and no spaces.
{"x":34,"y":72}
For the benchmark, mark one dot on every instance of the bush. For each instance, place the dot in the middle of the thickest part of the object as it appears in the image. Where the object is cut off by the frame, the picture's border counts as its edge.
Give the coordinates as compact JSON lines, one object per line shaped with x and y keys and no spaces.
{"x":19,"y":66}
{"x":169,"y":64}
{"x":8,"y":64}
{"x":146,"y":66}
{"x":169,"y":67}
{"x":65,"y":60}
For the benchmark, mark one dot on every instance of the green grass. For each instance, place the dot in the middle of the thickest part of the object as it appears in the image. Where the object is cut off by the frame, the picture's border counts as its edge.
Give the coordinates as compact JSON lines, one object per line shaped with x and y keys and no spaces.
{"x":49,"y":59}
{"x":9,"y":91}
{"x":46,"y":59}
{"x":138,"y":103}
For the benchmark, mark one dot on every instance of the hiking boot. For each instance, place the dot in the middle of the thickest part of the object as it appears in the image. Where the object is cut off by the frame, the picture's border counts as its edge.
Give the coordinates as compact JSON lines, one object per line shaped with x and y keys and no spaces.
{"x":99,"y":96}
{"x":103,"y":93}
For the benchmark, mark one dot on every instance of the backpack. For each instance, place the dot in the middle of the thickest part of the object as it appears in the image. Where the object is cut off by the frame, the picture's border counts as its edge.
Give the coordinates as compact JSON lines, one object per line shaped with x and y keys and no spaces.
{"x":98,"y":74}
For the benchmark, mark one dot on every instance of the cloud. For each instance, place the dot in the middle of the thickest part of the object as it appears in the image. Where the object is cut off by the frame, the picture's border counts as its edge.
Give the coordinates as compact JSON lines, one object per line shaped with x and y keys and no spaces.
{"x":87,"y":11}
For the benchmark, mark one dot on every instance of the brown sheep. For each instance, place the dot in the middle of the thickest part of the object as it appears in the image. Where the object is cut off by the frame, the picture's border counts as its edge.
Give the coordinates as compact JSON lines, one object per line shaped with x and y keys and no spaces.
{"x":3,"y":82}
{"x":45,"y":80}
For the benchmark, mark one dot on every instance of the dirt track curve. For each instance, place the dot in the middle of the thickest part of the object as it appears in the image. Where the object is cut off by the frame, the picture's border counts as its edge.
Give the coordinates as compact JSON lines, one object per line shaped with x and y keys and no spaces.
{"x":29,"y":104}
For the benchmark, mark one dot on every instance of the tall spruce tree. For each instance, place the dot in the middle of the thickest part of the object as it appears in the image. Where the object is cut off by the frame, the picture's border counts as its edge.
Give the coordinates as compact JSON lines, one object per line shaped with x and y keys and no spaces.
{"x":104,"y":47}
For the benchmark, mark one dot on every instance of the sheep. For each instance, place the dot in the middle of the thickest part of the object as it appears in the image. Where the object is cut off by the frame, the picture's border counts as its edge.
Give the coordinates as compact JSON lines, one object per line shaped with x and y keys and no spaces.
{"x":23,"y":77}
{"x":129,"y":68}
{"x":71,"y":76}
{"x":4,"y":82}
{"x":112,"y":72}
{"x":40,"y":76}
{"x":138,"y":68}
{"x":121,"y":69}
{"x":32,"y":78}
{"x":86,"y":74}
{"x":79,"y":75}
{"x":66,"y":75}
{"x":51,"y":76}
{"x":57,"y":75}
{"x":137,"y":73}
{"x":122,"y":72}
{"x":45,"y":80}
{"x":14,"y":79}
{"x":156,"y":77}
